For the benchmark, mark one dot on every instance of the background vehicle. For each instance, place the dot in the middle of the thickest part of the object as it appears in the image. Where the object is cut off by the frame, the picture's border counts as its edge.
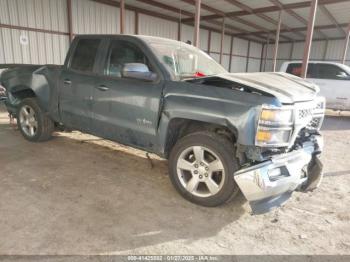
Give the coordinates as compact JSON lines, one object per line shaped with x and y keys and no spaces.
{"x":221,"y":132}
{"x":332,"y":78}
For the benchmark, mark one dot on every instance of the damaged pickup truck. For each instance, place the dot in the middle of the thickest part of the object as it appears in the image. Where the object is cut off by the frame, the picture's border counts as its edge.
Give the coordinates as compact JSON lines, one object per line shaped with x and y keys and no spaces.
{"x":221,"y":132}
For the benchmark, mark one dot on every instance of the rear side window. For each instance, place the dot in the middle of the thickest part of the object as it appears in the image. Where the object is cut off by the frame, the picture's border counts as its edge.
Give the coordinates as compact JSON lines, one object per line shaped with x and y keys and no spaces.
{"x":84,"y":55}
{"x":327,"y":71}
{"x":295,"y":69}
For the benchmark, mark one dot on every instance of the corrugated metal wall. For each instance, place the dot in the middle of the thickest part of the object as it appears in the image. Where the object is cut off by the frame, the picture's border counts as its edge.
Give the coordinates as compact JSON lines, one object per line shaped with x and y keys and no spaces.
{"x":42,"y":48}
{"x":89,"y":17}
{"x":157,"y":27}
{"x":320,"y":50}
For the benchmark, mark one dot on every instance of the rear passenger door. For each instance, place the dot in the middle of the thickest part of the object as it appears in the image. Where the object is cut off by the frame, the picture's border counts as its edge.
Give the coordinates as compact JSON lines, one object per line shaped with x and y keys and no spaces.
{"x":77,"y":81}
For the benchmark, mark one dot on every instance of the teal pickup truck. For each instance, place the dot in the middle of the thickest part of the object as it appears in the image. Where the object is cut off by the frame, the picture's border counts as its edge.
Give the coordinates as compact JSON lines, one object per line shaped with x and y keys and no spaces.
{"x":222,"y":133}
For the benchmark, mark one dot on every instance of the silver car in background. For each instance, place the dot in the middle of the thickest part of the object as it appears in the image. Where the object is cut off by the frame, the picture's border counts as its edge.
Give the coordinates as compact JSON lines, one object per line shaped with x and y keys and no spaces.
{"x":332,"y":78}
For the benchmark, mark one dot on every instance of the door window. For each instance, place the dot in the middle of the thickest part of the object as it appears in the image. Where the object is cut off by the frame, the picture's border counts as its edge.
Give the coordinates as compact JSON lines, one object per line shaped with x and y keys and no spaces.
{"x":295,"y":69}
{"x":328,"y":71}
{"x":121,"y":53}
{"x":85,"y":54}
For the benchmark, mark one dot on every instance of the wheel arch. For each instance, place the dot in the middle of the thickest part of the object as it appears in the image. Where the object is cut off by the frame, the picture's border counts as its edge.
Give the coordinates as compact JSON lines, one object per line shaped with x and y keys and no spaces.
{"x":21,"y":91}
{"x":179,"y":127}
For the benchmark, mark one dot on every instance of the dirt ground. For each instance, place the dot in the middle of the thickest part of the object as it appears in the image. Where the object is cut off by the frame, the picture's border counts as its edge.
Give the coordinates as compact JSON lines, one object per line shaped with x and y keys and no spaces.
{"x":78,"y":195}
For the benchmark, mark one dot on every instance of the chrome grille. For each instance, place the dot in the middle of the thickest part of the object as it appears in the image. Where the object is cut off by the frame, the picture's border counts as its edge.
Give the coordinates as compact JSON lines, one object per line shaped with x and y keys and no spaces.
{"x":304,"y":113}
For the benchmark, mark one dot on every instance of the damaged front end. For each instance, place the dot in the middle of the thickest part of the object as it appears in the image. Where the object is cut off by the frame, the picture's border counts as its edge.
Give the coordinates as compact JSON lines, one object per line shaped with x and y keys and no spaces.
{"x":294,"y":164}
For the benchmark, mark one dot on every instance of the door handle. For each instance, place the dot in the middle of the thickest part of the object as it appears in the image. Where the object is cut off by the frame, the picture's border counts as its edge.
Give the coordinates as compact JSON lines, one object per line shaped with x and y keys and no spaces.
{"x":67,"y":82}
{"x":102,"y":88}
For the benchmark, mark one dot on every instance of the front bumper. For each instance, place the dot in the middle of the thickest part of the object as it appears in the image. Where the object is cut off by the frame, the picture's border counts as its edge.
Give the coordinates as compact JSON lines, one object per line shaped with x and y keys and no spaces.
{"x":271,"y":183}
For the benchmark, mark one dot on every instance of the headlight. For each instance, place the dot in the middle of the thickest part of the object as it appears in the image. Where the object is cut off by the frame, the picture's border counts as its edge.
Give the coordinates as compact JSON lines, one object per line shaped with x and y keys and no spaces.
{"x":276,"y":116}
{"x":272,"y":137}
{"x":274,"y":127}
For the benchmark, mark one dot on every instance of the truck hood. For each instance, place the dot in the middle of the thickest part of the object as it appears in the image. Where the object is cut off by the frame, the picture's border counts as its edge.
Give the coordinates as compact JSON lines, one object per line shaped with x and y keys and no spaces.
{"x":285,"y":87}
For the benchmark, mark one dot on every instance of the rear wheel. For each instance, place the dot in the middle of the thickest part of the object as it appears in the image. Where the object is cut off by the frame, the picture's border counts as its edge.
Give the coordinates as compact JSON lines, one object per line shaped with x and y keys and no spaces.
{"x":33,"y":122}
{"x":201,"y":167}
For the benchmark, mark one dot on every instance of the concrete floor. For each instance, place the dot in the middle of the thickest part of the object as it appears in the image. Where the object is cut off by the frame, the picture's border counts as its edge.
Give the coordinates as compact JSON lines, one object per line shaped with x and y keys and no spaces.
{"x":73,"y":196}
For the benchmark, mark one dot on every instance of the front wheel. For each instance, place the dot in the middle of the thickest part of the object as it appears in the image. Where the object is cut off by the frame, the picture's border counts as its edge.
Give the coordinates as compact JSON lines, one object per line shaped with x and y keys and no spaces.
{"x":201,"y":167}
{"x":32,"y":121}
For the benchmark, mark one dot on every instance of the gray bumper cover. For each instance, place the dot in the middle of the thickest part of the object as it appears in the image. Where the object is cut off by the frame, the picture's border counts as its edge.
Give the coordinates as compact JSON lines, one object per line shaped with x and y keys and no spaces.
{"x":271,"y":183}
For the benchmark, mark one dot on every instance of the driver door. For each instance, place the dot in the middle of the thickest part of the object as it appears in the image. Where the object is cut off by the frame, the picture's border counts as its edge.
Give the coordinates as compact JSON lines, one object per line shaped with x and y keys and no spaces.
{"x":125,"y":109}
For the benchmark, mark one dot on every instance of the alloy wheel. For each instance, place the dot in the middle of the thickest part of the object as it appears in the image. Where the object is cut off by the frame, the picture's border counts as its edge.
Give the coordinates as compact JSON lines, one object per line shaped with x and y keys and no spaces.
{"x":28,"y":120}
{"x":200,"y":171}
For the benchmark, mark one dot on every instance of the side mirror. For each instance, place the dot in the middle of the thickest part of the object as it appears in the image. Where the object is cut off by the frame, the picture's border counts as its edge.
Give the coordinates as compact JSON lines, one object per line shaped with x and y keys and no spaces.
{"x":138,"y":71}
{"x":343,"y":75}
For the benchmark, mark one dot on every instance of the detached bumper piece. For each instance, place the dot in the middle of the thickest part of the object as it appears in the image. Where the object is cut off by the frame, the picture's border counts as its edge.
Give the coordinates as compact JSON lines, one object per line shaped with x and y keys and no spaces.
{"x":271,"y":183}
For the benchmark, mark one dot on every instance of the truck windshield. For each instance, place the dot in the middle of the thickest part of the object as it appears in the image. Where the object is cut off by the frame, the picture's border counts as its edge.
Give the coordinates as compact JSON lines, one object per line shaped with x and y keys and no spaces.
{"x":186,"y":61}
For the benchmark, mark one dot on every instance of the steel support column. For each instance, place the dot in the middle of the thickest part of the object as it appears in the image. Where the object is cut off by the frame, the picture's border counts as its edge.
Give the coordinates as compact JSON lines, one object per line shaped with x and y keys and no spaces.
{"x":136,"y":23}
{"x":231,"y":53}
{"x":291,"y":51}
{"x":325,"y":51}
{"x":266,"y":51}
{"x":209,"y":41}
{"x":277,"y":39}
{"x":179,"y":28}
{"x":262,"y":57}
{"x":247,"y":62}
{"x":122,"y":16}
{"x":222,"y":39}
{"x":196,"y":23}
{"x":346,"y":45}
{"x":308,"y":41}
{"x":69,"y":16}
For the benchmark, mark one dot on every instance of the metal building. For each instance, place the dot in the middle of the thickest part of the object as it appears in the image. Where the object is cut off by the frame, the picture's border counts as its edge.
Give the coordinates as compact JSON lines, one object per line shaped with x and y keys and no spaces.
{"x":239,"y":34}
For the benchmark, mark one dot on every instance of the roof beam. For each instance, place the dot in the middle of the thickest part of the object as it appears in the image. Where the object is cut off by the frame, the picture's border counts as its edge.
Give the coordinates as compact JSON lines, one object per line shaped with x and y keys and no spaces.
{"x":236,"y":19}
{"x":170,"y":18}
{"x":262,"y":16}
{"x":167,"y":7}
{"x":295,"y":15}
{"x":218,"y":12}
{"x":332,"y":18}
{"x":331,"y":26}
{"x":186,"y":13}
{"x":316,"y":40}
{"x":272,"y":8}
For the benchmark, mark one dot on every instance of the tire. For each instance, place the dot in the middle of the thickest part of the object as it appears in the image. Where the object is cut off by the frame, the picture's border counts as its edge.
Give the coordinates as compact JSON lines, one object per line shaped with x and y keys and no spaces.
{"x":33,"y":122}
{"x":215,"y":147}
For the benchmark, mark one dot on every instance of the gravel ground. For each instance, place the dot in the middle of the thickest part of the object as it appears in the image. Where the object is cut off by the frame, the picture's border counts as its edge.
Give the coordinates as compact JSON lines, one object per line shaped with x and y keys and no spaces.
{"x":79,"y":195}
